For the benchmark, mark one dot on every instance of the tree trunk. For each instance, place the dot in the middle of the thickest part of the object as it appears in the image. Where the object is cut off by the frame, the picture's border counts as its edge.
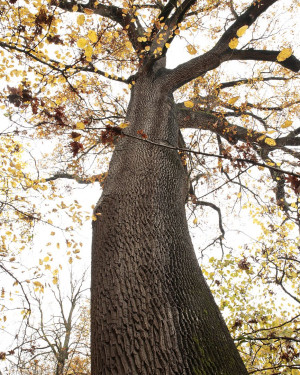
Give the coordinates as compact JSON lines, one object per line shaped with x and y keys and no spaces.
{"x":152,"y":311}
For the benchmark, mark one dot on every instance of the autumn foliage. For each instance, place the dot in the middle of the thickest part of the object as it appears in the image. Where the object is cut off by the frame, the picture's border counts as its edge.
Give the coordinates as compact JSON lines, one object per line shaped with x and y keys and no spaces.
{"x":67,"y":71}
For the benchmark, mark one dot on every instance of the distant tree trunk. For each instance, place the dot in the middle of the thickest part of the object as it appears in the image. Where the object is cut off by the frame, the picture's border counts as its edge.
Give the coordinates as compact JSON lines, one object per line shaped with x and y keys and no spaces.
{"x":152,"y":311}
{"x":60,"y":368}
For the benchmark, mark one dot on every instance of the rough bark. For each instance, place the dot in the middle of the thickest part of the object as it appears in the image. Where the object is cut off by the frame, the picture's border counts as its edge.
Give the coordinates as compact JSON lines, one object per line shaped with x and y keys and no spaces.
{"x":152,"y":311}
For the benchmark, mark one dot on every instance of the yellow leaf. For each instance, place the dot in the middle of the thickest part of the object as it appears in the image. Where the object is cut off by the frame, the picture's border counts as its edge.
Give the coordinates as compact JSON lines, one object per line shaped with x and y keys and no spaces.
{"x":233,"y":100}
{"x":88,"y":51}
{"x":37,"y":283}
{"x":124,"y":125}
{"x":80,"y":19}
{"x":189,"y":104}
{"x":284,"y":54}
{"x":167,"y":45}
{"x":46,"y":259}
{"x":55,"y":280}
{"x":80,"y":125}
{"x":270,"y":142}
{"x":241,"y":31}
{"x":195,"y":221}
{"x":12,"y":259}
{"x":70,"y":260}
{"x":88,"y":11}
{"x":286,"y":124}
{"x":239,"y":195}
{"x":261,"y":137}
{"x":75,"y":8}
{"x":233,"y":43}
{"x":191,"y":49}
{"x":81,"y":43}
{"x":92,"y":35}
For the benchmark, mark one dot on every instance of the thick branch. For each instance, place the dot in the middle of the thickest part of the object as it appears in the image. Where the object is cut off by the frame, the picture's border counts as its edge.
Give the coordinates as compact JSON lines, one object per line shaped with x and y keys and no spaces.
{"x":161,"y":37}
{"x":292,"y":63}
{"x":193,"y":119}
{"x":78,"y":179}
{"x":245,"y":19}
{"x":197,"y":119}
{"x":200,"y":65}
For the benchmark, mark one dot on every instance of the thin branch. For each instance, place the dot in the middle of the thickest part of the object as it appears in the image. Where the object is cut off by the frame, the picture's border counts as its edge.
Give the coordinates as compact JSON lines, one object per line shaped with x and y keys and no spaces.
{"x":54,"y":64}
{"x":19,"y":283}
{"x":274,"y":327}
{"x":246,"y":81}
{"x":216,"y":208}
{"x":226,"y":157}
{"x":112,"y":12}
{"x":274,"y":367}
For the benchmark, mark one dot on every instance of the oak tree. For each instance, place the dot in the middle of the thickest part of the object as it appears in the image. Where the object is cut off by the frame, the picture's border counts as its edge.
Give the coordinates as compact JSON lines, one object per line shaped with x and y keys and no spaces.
{"x":152,"y":312}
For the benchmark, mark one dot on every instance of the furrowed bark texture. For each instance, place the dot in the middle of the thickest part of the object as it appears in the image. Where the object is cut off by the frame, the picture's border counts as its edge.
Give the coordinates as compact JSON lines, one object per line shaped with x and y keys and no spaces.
{"x":152,"y":311}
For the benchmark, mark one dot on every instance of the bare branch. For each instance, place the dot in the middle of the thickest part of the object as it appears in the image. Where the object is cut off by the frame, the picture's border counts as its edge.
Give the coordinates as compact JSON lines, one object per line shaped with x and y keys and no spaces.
{"x":216,"y":208}
{"x":19,"y":283}
{"x":246,"y":81}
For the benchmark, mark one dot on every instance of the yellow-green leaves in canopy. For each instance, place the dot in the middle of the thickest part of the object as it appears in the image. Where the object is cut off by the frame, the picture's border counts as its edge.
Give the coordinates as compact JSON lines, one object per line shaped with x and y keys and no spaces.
{"x":88,"y":52}
{"x":189,"y":104}
{"x":241,"y":31}
{"x":286,"y":124}
{"x":124,"y":125}
{"x":233,"y":100}
{"x":284,"y":54}
{"x":233,"y":43}
{"x":81,"y":43}
{"x":270,"y":142}
{"x":80,"y":19}
{"x":191,"y":49}
{"x":80,"y":125}
{"x":92,"y":35}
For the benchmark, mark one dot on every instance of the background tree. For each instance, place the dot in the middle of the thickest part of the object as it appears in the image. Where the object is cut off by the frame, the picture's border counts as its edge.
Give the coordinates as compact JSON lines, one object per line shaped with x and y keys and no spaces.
{"x":152,"y":311}
{"x":56,"y":338}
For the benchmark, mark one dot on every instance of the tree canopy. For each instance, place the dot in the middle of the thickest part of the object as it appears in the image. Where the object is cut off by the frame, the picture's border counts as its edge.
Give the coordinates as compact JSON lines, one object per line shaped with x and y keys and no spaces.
{"x":68,"y":69}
